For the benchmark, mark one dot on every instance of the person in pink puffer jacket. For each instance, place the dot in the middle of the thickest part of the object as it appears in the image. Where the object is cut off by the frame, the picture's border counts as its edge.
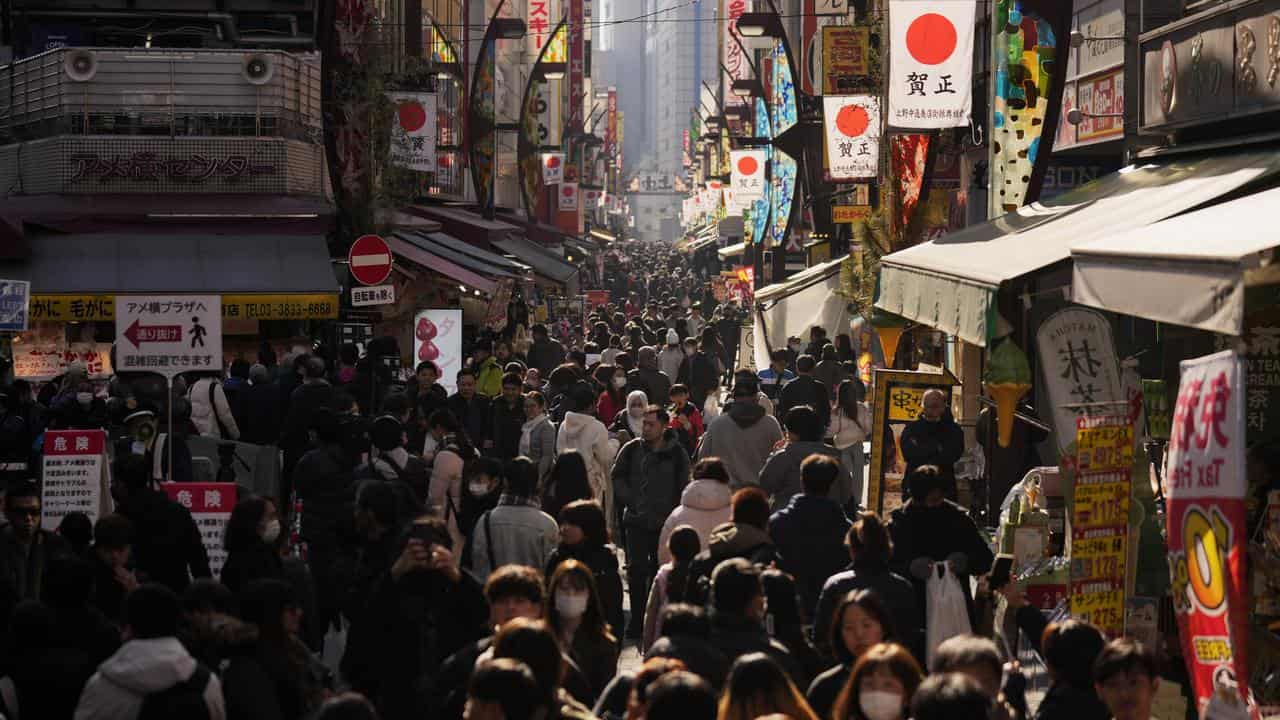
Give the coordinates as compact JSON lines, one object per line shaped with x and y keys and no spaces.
{"x":704,"y":504}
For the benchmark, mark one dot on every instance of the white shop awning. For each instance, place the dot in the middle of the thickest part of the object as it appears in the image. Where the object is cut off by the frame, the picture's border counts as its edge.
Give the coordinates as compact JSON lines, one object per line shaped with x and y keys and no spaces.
{"x":950,"y":283}
{"x":731,"y":250}
{"x":1189,"y":270}
{"x":791,"y":307}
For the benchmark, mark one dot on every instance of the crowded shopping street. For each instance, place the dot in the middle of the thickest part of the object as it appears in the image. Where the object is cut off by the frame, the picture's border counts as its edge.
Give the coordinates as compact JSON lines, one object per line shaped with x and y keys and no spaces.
{"x":639,"y":360}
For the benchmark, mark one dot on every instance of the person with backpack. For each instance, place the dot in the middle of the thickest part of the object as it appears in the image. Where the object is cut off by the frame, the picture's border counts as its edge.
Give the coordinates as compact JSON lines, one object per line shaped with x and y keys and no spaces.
{"x":210,"y":410}
{"x":152,"y":676}
{"x":516,"y":532}
{"x":673,"y":583}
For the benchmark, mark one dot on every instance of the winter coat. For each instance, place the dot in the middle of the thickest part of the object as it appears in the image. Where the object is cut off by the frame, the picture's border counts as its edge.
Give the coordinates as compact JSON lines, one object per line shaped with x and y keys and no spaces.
{"x":512,"y":533}
{"x":938,"y":443}
{"x":652,"y":382}
{"x":244,"y":565}
{"x":780,"y":476}
{"x":323,"y":479}
{"x":18,"y":583}
{"x":825,"y":689}
{"x":474,"y":416}
{"x":489,"y":378}
{"x":607,"y":407}
{"x":669,"y":360}
{"x":732,"y":540}
{"x":259,"y":422}
{"x":305,"y":400}
{"x":743,"y":437}
{"x":546,"y":355}
{"x":649,"y":481}
{"x":210,"y":410}
{"x":701,"y":372}
{"x":1064,"y":702}
{"x":589,"y":437}
{"x":805,"y":390}
{"x":542,"y":446}
{"x":167,"y":547}
{"x":705,"y":505}
{"x":505,"y":427}
{"x":140,"y":668}
{"x":937,"y":533}
{"x":688,"y":438}
{"x":698,"y":654}
{"x":895,"y":592}
{"x":809,"y":534}
{"x":603,"y":561}
{"x":260,"y":682}
{"x":737,"y":635}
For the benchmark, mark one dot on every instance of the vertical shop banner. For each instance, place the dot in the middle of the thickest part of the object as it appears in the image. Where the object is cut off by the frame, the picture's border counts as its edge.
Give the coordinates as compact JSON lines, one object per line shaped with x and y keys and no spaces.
{"x":930,"y":63}
{"x":611,"y":126}
{"x":909,"y":159}
{"x":735,"y":60}
{"x":437,"y":336}
{"x":168,"y":334}
{"x":1029,"y":38}
{"x":1205,"y":487}
{"x":577,"y":63}
{"x":72,"y":477}
{"x":552,"y":168}
{"x":853,"y":135}
{"x":1078,"y":358}
{"x":568,"y":195}
{"x":844,"y":57}
{"x":413,"y":131}
{"x":784,"y":115}
{"x":759,"y":208}
{"x":481,"y":106}
{"x":15,"y":299}
{"x":210,"y":505}
{"x":1100,"y":520}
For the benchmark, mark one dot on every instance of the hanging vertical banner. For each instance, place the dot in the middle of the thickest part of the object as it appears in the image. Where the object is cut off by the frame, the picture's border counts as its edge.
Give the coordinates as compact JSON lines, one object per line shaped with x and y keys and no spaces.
{"x":853,"y":135}
{"x":1205,"y":487}
{"x":1028,"y":37}
{"x":759,"y":207}
{"x":413,"y":131}
{"x":909,"y":157}
{"x":746,"y":173}
{"x":568,"y":196}
{"x":552,"y":168}
{"x":577,"y":45}
{"x":611,"y":125}
{"x":1078,"y":357}
{"x":1100,"y":520}
{"x":735,"y":61}
{"x":784,"y":116}
{"x":481,"y":108}
{"x":931,"y":63}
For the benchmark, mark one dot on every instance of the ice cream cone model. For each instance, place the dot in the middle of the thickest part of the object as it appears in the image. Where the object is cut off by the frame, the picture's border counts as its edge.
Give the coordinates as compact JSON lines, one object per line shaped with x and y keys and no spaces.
{"x":1007,"y":380}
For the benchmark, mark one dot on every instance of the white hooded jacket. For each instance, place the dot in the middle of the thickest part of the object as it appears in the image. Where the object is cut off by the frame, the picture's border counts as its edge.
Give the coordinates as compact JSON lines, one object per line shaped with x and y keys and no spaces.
{"x":137,"y":669}
{"x":590,"y":438}
{"x":704,"y":504}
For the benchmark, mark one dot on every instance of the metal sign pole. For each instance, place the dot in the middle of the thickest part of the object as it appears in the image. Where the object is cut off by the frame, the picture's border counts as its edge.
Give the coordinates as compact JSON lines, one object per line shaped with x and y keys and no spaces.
{"x":168,"y":440}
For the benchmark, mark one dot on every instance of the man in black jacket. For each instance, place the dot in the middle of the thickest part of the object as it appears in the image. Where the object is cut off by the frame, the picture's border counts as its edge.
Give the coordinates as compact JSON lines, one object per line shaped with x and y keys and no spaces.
{"x":314,"y":393}
{"x":805,"y":390}
{"x":933,"y":439}
{"x":737,"y":615}
{"x":471,"y":408}
{"x":507,"y":419}
{"x":648,"y":477}
{"x":545,"y":354}
{"x":324,"y":485}
{"x":167,"y":547}
{"x":25,"y":549}
{"x":809,"y":532}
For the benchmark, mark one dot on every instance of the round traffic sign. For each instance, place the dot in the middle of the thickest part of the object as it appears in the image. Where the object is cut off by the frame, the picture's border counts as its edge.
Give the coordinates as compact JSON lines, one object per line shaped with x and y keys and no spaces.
{"x":370,"y":260}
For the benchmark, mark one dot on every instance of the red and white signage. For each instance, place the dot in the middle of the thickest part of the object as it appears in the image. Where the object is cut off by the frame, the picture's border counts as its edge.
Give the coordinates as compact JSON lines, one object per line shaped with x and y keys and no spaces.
{"x":746,"y":174}
{"x":1205,"y":486}
{"x":210,"y":505}
{"x":931,"y":66}
{"x":72,"y":475}
{"x":552,"y":168}
{"x":413,"y":131}
{"x":437,"y":336}
{"x":736,"y":64}
{"x":370,"y":260}
{"x":853,"y":135}
{"x":568,"y":195}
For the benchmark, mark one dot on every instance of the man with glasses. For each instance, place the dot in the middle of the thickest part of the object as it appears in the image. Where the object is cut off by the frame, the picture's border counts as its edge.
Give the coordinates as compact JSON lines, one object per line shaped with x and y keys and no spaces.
{"x":25,"y":549}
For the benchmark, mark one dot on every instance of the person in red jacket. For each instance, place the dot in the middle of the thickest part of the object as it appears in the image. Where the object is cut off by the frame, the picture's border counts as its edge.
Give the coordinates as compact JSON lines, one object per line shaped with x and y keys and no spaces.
{"x":686,"y":420}
{"x":613,"y":398}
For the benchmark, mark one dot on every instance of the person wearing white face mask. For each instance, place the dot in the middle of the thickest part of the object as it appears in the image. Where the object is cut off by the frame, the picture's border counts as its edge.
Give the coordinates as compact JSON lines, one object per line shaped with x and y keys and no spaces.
{"x":628,"y":423}
{"x":576,"y":615}
{"x":883,"y":682}
{"x":252,"y":543}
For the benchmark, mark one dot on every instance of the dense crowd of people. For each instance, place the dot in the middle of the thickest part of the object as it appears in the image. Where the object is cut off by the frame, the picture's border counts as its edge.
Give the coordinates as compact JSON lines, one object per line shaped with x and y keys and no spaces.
{"x":488,"y":553}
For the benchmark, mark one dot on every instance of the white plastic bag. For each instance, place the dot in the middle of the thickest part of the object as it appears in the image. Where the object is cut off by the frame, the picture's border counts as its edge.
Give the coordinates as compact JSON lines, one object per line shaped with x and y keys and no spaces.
{"x":711,"y":408}
{"x":335,"y":646}
{"x":946,"y":614}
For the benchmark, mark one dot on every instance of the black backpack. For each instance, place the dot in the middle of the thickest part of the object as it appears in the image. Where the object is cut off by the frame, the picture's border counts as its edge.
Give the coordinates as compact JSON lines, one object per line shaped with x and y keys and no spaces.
{"x":182,"y":700}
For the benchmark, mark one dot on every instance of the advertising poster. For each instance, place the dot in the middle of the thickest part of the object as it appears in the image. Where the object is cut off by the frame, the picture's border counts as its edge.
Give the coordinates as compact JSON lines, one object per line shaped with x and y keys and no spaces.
{"x":72,"y":475}
{"x":413,"y":131}
{"x":1100,"y":520}
{"x":931,"y":79}
{"x":437,"y":336}
{"x":1205,"y":488}
{"x":45,"y":359}
{"x":1078,"y":357}
{"x":898,"y":398}
{"x":845,"y":51}
{"x":853,"y":136}
{"x":210,"y":505}
{"x":15,"y":297}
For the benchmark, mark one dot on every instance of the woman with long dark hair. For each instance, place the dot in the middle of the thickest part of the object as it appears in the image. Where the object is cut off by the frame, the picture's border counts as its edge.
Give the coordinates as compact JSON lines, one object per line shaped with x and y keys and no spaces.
{"x":786,"y":625}
{"x":454,"y":450}
{"x":849,"y":428}
{"x":585,"y":538}
{"x":758,"y":686}
{"x":274,"y":677}
{"x":252,"y":540}
{"x":860,"y":621}
{"x":576,"y":613}
{"x":568,"y":482}
{"x":674,"y":582}
{"x":881,"y":685}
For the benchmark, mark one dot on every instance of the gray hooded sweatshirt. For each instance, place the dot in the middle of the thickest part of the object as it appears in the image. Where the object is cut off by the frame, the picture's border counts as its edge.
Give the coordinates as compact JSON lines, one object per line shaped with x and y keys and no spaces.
{"x":742,"y":437}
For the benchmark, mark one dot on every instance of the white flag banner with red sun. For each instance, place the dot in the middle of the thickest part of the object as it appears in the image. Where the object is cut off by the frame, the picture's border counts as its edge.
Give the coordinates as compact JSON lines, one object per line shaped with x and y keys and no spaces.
{"x":853,"y":135}
{"x":930,"y":63}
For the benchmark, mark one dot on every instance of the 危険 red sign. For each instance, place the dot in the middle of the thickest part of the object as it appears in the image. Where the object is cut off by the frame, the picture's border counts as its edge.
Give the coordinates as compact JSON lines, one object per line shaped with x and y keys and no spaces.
{"x":370,"y":260}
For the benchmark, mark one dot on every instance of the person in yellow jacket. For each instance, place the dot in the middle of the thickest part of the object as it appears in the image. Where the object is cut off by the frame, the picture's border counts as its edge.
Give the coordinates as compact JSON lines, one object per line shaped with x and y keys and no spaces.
{"x":488,"y":371}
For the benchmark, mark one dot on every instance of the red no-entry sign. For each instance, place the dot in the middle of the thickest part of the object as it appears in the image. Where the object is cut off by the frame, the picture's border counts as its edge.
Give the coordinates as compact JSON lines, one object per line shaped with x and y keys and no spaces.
{"x":370,"y":260}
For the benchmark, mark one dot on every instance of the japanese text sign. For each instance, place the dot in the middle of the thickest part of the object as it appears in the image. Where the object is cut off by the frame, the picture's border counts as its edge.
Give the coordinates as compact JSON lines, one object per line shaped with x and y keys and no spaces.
{"x":168,"y":334}
{"x":373,"y":295}
{"x":413,"y":131}
{"x":72,"y":475}
{"x":210,"y":505}
{"x":1100,"y":520}
{"x":15,"y":296}
{"x":1205,"y":488}
{"x":930,"y":63}
{"x":552,"y":168}
{"x":845,"y":50}
{"x":1078,"y":357}
{"x":746,"y":174}
{"x":44,"y":359}
{"x":437,"y":336}
{"x":853,"y":136}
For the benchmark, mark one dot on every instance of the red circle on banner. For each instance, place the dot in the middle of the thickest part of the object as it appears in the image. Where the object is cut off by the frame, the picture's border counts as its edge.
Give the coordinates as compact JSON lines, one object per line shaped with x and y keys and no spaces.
{"x":931,"y":38}
{"x":567,"y":191}
{"x":553,"y":161}
{"x":747,"y":165}
{"x":369,"y":260}
{"x":852,"y":120}
{"x":412,"y":116}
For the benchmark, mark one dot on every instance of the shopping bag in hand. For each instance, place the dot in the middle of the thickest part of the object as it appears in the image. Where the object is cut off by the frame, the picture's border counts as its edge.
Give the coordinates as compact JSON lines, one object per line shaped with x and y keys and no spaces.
{"x":946,"y":614}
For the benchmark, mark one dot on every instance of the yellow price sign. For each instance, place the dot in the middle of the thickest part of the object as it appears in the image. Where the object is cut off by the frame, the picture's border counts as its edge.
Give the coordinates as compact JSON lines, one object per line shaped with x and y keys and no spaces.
{"x":905,"y":403}
{"x":1101,"y":504}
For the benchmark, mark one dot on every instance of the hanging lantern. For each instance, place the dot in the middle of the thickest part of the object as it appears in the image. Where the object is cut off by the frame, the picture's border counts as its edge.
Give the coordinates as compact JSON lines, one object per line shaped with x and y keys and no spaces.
{"x":1007,"y":380}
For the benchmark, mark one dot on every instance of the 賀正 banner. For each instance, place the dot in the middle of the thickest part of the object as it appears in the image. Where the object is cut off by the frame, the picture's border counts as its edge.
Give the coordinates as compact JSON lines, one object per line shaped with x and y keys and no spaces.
{"x":1205,"y":488}
{"x":853,"y":135}
{"x":930,"y":63}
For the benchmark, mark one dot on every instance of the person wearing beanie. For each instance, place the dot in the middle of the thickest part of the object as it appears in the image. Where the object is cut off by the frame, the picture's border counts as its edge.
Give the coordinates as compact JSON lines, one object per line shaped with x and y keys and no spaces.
{"x":671,"y":356}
